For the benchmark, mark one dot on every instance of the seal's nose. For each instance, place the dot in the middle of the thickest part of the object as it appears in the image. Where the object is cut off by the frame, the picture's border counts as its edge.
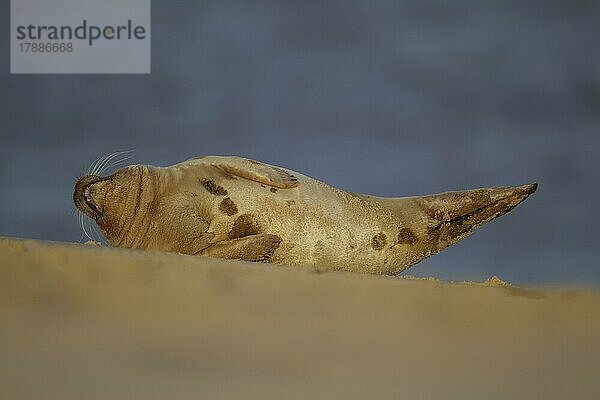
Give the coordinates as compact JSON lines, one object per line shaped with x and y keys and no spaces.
{"x":81,"y":197}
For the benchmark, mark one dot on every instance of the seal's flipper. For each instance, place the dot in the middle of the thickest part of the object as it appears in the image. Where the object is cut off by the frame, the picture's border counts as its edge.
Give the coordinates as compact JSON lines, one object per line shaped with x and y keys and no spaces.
{"x":259,"y":248}
{"x":254,"y":171}
{"x":432,"y":223}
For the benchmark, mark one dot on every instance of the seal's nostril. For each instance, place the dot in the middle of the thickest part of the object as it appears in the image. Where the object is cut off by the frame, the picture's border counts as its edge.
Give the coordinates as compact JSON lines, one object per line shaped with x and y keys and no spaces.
{"x":87,"y":195}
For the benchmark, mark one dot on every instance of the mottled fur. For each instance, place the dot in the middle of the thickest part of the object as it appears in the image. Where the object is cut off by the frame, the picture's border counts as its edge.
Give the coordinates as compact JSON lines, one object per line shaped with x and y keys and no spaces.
{"x":218,"y":206}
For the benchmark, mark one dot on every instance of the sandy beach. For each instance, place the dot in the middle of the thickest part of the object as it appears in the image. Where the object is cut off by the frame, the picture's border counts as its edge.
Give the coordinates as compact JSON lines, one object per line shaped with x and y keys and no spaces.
{"x":85,"y":322}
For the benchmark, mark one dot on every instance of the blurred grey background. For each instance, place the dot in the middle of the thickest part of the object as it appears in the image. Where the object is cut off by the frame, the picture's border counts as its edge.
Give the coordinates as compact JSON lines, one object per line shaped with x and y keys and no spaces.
{"x":390,"y":98}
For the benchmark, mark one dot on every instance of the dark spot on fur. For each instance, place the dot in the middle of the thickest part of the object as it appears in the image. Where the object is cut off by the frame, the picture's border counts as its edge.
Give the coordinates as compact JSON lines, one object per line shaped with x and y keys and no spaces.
{"x":228,"y":206}
{"x":244,"y":225}
{"x":273,"y":190}
{"x":406,"y":236}
{"x":290,"y":202}
{"x":267,"y":248}
{"x":213,"y":188}
{"x":379,"y":241}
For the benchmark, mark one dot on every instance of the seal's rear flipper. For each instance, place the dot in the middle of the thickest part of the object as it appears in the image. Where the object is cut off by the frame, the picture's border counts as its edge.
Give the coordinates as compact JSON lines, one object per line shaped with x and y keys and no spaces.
{"x":259,"y":248}
{"x":432,"y":223}
{"x":452,"y":216}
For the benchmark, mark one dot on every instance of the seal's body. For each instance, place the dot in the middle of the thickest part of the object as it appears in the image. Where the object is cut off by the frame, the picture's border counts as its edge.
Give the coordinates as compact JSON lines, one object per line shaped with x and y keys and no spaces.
{"x":231,"y":207}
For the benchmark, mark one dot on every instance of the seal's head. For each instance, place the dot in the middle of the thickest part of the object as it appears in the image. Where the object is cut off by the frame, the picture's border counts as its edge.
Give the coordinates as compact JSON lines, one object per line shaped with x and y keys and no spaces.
{"x":111,"y":201}
{"x":146,"y":207}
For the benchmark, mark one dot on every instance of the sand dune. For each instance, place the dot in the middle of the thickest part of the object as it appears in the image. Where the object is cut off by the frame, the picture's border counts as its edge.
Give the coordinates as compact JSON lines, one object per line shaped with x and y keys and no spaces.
{"x":85,"y":322}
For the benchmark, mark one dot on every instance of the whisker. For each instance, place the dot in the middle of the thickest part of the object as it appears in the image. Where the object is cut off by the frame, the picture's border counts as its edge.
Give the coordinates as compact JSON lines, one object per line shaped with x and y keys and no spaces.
{"x":108,"y":159}
{"x":98,"y":234}
{"x":115,"y":163}
{"x":104,"y":159}
{"x":79,"y":222}
{"x":83,"y":227}
{"x":111,"y":164}
{"x":101,"y":161}
{"x":93,"y":165}
{"x":90,"y":228}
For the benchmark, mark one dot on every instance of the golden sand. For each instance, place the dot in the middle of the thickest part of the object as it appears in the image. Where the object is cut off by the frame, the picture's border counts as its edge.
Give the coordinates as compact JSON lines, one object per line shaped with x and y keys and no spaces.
{"x":86,"y":322}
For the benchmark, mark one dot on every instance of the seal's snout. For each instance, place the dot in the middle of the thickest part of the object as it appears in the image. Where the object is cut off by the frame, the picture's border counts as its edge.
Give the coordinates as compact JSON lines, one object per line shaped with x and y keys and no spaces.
{"x":82,"y":196}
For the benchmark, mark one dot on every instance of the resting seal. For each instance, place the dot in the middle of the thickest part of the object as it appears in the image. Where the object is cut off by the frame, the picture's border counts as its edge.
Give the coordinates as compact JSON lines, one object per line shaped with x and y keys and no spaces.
{"x":237,"y":208}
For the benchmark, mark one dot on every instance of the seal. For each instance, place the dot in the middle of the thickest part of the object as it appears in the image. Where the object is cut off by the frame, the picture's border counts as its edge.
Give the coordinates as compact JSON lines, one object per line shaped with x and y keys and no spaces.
{"x":238,"y":208}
